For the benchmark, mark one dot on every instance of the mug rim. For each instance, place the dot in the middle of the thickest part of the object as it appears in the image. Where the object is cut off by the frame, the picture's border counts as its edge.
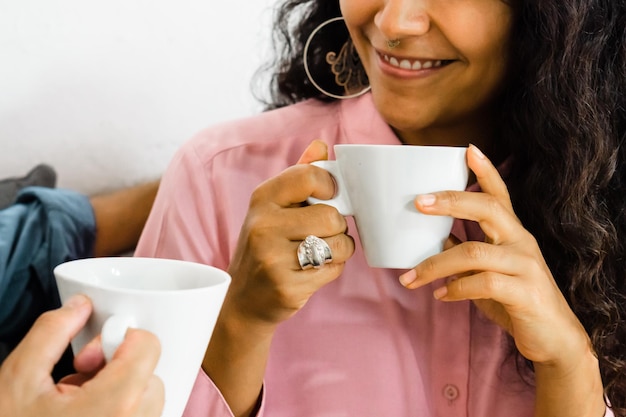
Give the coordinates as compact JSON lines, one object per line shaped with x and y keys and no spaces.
{"x":61,"y":272}
{"x":399,"y":145}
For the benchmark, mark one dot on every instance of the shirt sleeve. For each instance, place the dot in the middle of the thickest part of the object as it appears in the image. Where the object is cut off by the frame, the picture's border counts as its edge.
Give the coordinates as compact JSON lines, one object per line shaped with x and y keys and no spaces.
{"x":183,"y":221}
{"x":198,"y":406}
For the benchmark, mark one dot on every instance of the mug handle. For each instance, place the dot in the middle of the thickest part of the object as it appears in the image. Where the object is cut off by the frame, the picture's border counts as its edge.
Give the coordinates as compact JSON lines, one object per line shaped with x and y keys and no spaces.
{"x":113,"y":333}
{"x":340,"y":201}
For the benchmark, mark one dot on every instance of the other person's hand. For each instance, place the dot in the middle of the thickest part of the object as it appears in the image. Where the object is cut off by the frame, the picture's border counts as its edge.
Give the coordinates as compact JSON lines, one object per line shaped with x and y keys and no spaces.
{"x":125,"y":387}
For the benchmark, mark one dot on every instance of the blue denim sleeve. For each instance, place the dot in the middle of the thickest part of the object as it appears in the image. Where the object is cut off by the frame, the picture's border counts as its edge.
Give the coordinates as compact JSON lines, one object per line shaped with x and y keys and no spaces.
{"x":45,"y":227}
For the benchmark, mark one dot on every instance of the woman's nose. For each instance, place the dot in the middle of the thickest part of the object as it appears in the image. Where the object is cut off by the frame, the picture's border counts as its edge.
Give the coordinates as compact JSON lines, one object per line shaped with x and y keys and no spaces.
{"x":401,"y":18}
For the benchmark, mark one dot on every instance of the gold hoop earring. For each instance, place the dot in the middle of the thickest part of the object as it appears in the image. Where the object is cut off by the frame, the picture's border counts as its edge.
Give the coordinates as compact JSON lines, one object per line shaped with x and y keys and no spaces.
{"x":345,"y":66}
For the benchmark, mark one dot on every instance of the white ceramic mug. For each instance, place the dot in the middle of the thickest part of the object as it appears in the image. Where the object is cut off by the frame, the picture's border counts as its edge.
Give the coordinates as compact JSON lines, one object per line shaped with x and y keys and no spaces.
{"x":178,"y":301}
{"x":377,"y":184}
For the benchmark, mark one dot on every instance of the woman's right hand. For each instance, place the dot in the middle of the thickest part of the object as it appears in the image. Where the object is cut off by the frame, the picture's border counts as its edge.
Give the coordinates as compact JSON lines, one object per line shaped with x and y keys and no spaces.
{"x":268,"y":285}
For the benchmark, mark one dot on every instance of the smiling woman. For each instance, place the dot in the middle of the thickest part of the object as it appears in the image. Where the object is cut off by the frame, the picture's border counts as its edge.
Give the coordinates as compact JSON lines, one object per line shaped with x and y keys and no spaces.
{"x":532,"y":272}
{"x":413,"y":92}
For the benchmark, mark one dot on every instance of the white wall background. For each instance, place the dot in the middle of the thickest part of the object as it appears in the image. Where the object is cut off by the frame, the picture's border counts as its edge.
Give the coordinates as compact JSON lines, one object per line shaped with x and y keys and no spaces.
{"x":105,"y":91}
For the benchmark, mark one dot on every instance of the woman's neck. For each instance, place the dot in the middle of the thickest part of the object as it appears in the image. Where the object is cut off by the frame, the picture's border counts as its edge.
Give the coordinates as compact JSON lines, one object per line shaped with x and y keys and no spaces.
{"x":482,"y":133}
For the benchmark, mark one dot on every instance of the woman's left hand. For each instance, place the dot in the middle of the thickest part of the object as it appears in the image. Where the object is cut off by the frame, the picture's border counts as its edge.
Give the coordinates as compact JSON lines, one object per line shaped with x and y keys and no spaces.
{"x":506,"y":275}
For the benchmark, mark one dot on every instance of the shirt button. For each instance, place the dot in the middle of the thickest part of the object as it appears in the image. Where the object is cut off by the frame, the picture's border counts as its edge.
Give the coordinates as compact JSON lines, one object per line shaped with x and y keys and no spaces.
{"x":450,"y":392}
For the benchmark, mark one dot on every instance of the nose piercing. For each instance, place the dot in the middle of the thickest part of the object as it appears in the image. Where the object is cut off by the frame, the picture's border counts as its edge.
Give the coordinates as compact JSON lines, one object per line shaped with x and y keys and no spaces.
{"x":392,"y":43}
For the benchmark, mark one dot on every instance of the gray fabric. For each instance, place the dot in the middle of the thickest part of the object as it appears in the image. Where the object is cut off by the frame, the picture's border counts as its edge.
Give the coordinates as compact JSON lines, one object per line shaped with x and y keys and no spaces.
{"x":42,"y":175}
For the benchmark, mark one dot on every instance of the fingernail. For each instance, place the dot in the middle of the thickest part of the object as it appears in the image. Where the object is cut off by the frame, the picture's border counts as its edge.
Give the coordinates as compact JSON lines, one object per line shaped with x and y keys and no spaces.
{"x":408,"y":277}
{"x":440,"y":292}
{"x":76,"y":301}
{"x":426,"y":199}
{"x":477,"y":151}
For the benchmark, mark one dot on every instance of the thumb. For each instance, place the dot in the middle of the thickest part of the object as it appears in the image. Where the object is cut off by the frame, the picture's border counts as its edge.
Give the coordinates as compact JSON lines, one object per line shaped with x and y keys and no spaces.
{"x":316,"y":151}
{"x":48,"y":338}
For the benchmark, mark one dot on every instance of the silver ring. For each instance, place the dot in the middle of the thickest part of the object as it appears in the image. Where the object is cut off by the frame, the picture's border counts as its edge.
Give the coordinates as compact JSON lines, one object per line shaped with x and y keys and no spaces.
{"x":314,"y":252}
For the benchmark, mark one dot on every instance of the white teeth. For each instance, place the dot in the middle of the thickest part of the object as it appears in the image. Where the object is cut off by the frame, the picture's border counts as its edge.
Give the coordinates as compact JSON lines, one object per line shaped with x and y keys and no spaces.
{"x":407,"y":64}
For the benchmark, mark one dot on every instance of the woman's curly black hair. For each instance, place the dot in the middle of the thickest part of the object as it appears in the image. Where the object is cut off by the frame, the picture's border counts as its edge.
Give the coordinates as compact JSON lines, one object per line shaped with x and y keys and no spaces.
{"x":563,"y":121}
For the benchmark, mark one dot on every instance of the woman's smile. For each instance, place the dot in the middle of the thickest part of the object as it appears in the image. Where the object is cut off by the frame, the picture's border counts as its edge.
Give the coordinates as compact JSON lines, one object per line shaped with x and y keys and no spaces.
{"x":435,"y":68}
{"x":400,"y":66}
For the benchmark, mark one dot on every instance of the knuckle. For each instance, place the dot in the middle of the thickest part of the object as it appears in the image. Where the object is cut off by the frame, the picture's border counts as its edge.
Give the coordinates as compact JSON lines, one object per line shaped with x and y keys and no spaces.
{"x":289,"y":298}
{"x":535,"y":297}
{"x":532,"y":240}
{"x":533,"y":266}
{"x":259,"y":194}
{"x":308,"y":176}
{"x":304,"y":174}
{"x":452,"y":197}
{"x":491,"y":282}
{"x":272,"y":264}
{"x":457,"y":287}
{"x":260,"y":227}
{"x":495,"y":207}
{"x":474,"y":250}
{"x":333,"y":221}
{"x":327,"y":220}
{"x":256,"y":232}
{"x":426,"y":267}
{"x":342,"y":248}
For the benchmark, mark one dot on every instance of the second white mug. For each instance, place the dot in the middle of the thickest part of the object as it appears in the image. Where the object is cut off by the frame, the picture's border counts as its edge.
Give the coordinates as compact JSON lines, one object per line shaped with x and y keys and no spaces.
{"x":178,"y":301}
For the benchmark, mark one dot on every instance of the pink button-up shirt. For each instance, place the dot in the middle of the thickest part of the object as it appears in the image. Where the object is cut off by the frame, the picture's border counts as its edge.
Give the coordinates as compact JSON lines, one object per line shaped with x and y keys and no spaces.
{"x":363,"y":346}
